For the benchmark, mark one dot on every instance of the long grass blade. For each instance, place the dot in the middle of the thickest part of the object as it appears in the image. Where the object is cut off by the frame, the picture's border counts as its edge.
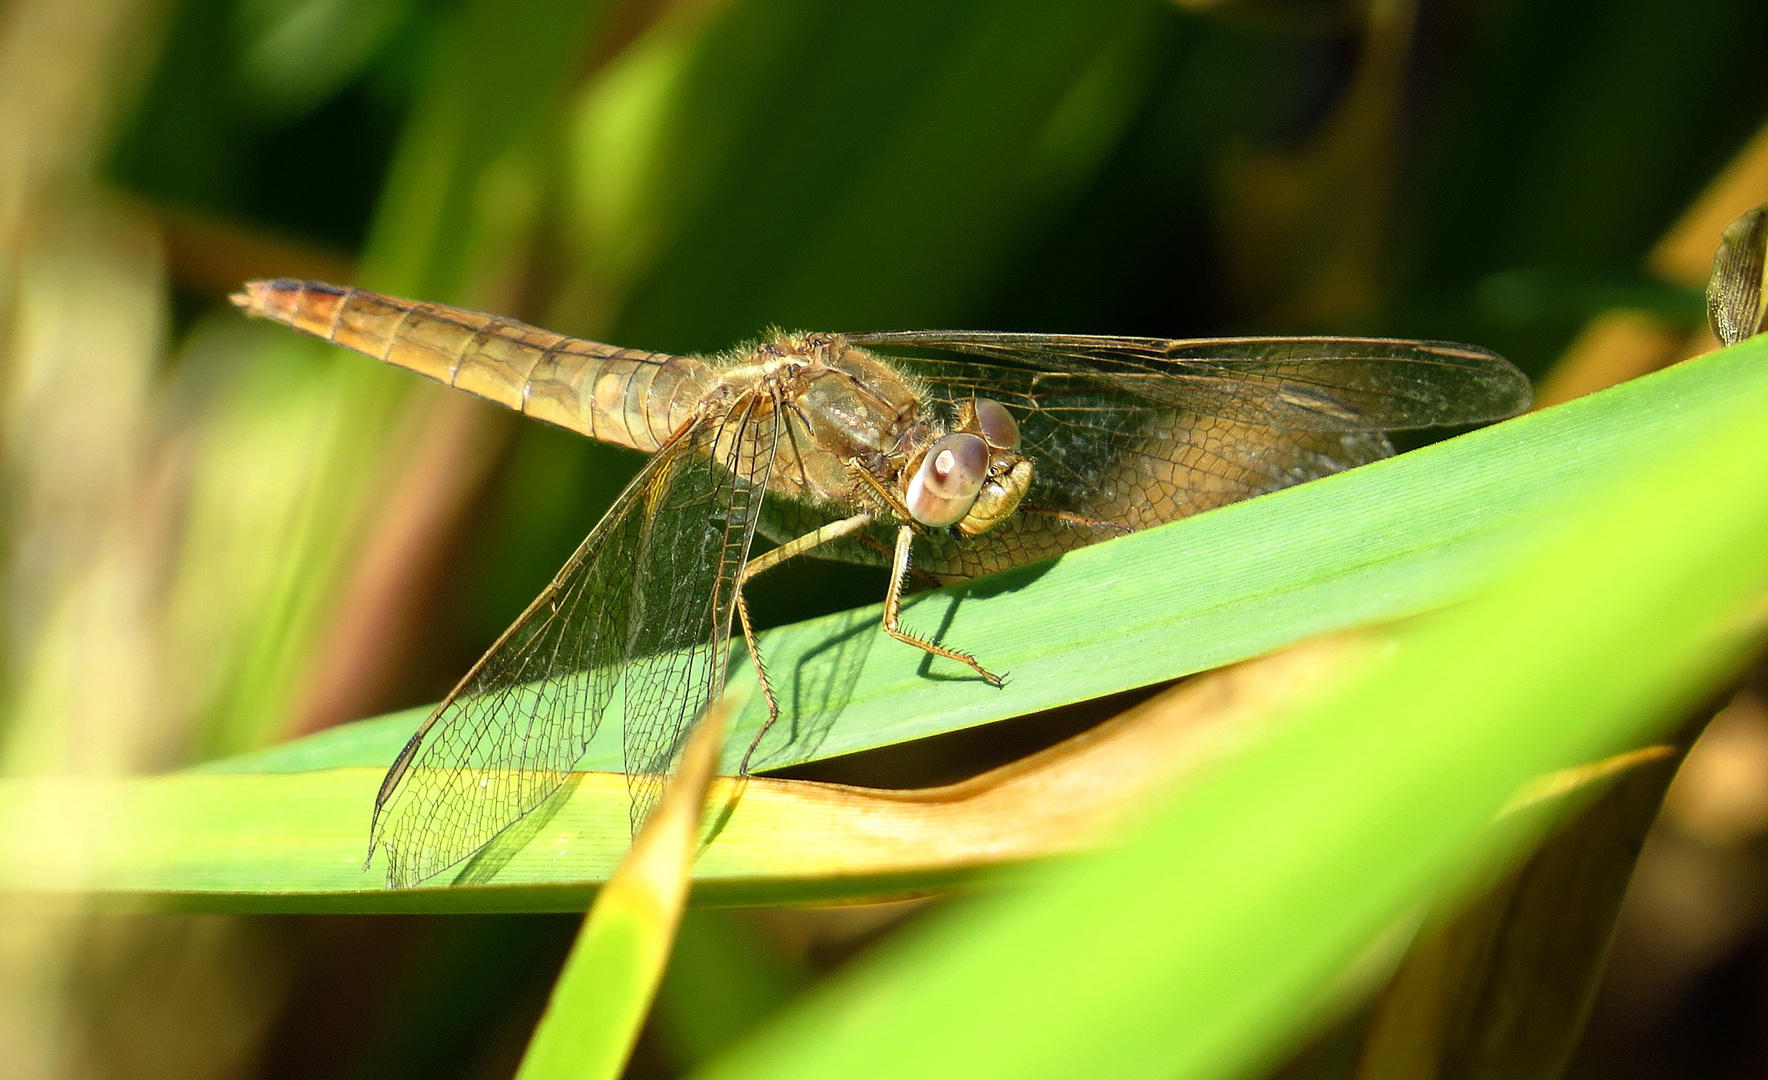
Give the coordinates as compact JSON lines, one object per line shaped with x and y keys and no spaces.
{"x":612,"y":974}
{"x":1252,"y":901}
{"x":1245,"y":580}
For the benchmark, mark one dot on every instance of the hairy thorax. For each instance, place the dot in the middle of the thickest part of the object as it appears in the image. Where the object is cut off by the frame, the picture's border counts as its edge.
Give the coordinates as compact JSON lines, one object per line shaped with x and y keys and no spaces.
{"x":844,"y":409}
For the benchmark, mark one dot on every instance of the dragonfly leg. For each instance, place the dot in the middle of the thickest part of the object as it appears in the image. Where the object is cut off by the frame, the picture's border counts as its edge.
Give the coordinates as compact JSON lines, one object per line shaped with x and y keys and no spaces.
{"x":767,"y":561}
{"x":1076,"y":519}
{"x":899,"y":569}
{"x":773,"y":703}
{"x":886,"y":498}
{"x":834,"y":530}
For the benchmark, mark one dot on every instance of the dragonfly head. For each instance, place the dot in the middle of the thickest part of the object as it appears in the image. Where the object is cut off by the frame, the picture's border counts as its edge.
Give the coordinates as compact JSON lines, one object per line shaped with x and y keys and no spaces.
{"x":973,"y":478}
{"x":1009,"y":472}
{"x":1009,"y":477}
{"x":945,"y":483}
{"x":992,"y":421}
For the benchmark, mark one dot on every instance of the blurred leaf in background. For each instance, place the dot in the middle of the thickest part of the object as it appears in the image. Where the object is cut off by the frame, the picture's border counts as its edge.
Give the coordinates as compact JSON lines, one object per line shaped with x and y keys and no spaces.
{"x":216,"y":537}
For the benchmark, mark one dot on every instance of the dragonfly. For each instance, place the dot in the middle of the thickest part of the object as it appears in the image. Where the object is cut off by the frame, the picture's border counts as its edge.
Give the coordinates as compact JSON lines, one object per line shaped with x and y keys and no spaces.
{"x":946,"y":454}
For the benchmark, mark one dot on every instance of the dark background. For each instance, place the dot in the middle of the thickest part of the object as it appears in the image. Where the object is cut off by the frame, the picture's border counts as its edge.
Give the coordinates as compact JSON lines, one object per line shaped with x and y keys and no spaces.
{"x":683,"y":176}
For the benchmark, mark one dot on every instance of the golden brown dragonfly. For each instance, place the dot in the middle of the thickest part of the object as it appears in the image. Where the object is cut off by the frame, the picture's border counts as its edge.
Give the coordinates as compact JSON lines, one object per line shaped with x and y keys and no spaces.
{"x":963,"y":452}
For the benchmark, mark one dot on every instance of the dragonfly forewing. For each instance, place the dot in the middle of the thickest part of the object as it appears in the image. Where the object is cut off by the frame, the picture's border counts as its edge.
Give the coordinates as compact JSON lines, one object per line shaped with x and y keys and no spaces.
{"x":1129,"y":433}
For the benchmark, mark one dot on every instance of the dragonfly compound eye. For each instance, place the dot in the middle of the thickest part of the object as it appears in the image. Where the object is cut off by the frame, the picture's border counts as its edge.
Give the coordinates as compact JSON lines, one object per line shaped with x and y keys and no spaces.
{"x":997,"y":424}
{"x":948,"y":480}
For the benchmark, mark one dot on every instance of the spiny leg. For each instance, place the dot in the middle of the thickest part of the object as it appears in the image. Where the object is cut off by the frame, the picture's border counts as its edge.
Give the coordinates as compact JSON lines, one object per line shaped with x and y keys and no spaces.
{"x":1076,"y":519}
{"x":767,"y":561}
{"x":871,"y":485}
{"x":899,"y":568}
{"x":773,"y":703}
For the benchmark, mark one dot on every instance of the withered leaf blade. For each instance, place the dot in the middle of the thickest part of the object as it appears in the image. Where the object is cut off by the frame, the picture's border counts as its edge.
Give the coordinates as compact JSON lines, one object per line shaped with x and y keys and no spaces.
{"x":1734,"y":295}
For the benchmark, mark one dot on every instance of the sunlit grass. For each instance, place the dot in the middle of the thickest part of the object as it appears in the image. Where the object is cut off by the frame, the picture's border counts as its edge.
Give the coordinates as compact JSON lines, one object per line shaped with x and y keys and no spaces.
{"x":216,"y":539}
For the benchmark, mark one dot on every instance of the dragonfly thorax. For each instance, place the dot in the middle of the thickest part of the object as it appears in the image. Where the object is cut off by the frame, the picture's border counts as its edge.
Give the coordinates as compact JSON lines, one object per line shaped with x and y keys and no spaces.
{"x":849,"y":409}
{"x":844,"y":409}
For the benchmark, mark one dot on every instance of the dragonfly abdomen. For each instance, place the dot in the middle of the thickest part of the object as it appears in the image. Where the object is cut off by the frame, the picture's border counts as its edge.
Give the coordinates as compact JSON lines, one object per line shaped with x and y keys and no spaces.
{"x":623,"y":396}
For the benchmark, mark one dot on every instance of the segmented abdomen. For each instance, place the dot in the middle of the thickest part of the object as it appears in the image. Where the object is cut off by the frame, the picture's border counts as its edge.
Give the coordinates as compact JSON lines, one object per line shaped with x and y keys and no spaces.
{"x":622,"y":396}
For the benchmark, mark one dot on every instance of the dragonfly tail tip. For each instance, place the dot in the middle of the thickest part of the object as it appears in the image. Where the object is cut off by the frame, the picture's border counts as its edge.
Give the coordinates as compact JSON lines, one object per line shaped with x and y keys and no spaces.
{"x":249,"y":295}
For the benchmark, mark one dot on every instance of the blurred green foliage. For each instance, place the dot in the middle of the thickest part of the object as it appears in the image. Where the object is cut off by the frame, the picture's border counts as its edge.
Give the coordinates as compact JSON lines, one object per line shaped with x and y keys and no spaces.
{"x":682,"y":174}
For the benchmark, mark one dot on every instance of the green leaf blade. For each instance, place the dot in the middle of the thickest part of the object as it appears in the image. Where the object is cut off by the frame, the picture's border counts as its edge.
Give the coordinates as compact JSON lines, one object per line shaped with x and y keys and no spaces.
{"x":1382,"y":542}
{"x":1240,"y":581}
{"x":1231,"y":918}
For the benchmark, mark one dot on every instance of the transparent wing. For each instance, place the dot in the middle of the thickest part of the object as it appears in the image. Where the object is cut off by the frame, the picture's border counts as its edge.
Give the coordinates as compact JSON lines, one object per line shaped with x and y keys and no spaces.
{"x":636,"y":624}
{"x":1307,"y":383}
{"x":1127,"y":433}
